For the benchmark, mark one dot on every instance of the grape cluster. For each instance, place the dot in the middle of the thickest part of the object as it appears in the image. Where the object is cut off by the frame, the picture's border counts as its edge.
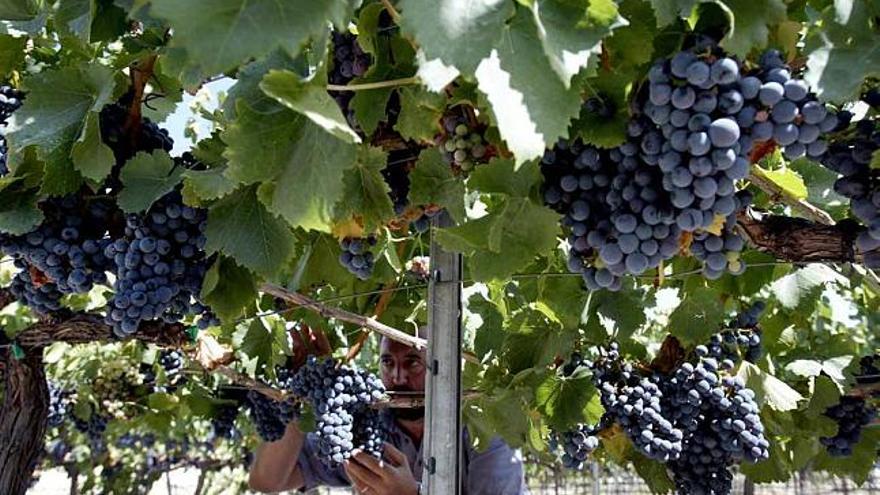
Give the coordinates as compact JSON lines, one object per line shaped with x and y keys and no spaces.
{"x":223,"y":422}
{"x":159,"y":264}
{"x":270,"y":417}
{"x":576,"y":445}
{"x":341,"y":397}
{"x":620,"y":220}
{"x":721,"y":424}
{"x":59,"y":400}
{"x":851,"y":414}
{"x":64,"y":255}
{"x":396,"y":175}
{"x":172,"y":362}
{"x":740,"y":340}
{"x":357,"y":257}
{"x":115,"y":133}
{"x":697,"y":418}
{"x":463,"y":147}
{"x":635,"y":403}
{"x":10,"y":101}
{"x":349,"y":62}
{"x":93,"y":428}
{"x":869,"y":369}
{"x":851,"y":158}
{"x":721,"y":252}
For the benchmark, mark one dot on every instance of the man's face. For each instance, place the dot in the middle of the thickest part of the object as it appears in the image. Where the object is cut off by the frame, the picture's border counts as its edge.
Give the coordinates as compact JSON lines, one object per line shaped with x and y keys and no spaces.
{"x":403,"y":368}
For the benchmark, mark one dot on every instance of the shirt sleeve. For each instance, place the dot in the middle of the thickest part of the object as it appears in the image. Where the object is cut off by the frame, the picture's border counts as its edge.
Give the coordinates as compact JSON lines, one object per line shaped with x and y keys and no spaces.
{"x":496,"y":471}
{"x":314,"y":472}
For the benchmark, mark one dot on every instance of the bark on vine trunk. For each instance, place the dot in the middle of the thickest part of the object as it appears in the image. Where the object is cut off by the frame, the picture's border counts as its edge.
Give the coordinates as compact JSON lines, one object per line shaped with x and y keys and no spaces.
{"x":22,"y":421}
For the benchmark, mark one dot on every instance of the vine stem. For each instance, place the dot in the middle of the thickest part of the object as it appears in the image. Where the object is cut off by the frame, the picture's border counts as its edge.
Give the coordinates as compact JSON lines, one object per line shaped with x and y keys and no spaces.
{"x":405,"y":81}
{"x":395,"y":15}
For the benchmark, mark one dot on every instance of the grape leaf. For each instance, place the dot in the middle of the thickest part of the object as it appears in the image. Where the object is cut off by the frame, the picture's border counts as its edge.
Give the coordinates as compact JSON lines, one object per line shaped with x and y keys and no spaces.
{"x":366,"y":193}
{"x":802,"y":288}
{"x":75,"y":17}
{"x":654,"y":473}
{"x":249,"y":77}
{"x":843,"y":50}
{"x":220,"y":34}
{"x":432,"y":182}
{"x":750,"y":24}
{"x":698,"y":316}
{"x":60,"y":100}
{"x":565,"y":297}
{"x":490,"y":335}
{"x":533,"y":343}
{"x":668,"y":11}
{"x":571,"y":32}
{"x":505,"y":240}
{"x":833,"y":367}
{"x":228,"y":288}
{"x":147,"y":177}
{"x":857,"y":466}
{"x":531,"y":105}
{"x":774,"y":469}
{"x":501,"y":176}
{"x":626,"y":46}
{"x":440,"y":26}
{"x":19,"y":10}
{"x":241,"y":227}
{"x":91,"y":157}
{"x":19,"y":213}
{"x":612,"y":90}
{"x":307,"y":164}
{"x":787,"y":179}
{"x":309,"y":98}
{"x":619,"y":308}
{"x":258,"y":343}
{"x":205,"y":185}
{"x":12,"y":53}
{"x":805,"y":367}
{"x":564,"y":401}
{"x":420,"y":113}
{"x":768,"y":389}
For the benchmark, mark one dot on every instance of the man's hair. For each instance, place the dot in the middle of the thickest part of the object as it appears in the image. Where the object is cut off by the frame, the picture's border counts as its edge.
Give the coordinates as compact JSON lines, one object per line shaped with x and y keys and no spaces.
{"x":422,"y":333}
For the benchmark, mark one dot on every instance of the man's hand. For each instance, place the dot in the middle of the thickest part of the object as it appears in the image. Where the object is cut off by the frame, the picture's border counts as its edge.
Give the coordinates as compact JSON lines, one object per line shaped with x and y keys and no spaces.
{"x":371,"y":476}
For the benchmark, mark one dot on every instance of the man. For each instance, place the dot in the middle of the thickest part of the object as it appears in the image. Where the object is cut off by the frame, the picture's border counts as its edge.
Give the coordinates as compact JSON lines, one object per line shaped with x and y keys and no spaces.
{"x":291,"y":463}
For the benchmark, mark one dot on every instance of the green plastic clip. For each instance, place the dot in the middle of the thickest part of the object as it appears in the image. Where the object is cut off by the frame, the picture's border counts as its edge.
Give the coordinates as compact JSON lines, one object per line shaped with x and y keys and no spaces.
{"x":17,"y":352}
{"x":192,"y":332}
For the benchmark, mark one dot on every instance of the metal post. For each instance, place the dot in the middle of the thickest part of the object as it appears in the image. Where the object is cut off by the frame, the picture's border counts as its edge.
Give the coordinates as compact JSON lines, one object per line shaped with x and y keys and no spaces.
{"x":442,"y":474}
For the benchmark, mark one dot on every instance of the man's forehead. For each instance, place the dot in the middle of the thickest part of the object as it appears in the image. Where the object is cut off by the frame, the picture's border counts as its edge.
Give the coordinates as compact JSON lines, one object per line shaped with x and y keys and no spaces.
{"x":396,"y":348}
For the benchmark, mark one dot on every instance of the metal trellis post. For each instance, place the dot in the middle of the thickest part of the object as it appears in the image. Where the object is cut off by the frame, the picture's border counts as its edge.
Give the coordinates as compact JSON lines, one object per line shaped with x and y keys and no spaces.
{"x":442,"y":442}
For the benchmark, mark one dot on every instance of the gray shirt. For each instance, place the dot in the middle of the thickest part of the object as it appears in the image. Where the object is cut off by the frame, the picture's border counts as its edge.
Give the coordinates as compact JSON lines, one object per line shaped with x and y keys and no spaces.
{"x":497,"y":470}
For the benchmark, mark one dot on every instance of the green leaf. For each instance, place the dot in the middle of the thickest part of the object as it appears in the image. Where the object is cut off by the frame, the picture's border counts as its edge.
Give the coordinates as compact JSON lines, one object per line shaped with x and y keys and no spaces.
{"x":440,"y":26}
{"x":19,"y":213}
{"x":622,"y":308}
{"x":161,"y":401}
{"x":241,"y":227}
{"x":698,"y":317}
{"x":504,"y":241}
{"x":501,"y":176}
{"x":228,"y":288}
{"x":774,"y":469}
{"x":563,"y":400}
{"x":857,"y":466}
{"x":311,"y":99}
{"x":146,"y":178}
{"x":834,"y":367}
{"x":531,"y":105}
{"x":790,"y":181}
{"x":205,"y":185}
{"x":221,"y":34}
{"x":420,"y":114}
{"x":843,"y":50}
{"x":751,"y":23}
{"x":19,"y":10}
{"x":571,"y":32}
{"x":91,"y":157}
{"x":565,"y":297}
{"x":805,"y":367}
{"x":257,"y":343}
{"x":802,"y":287}
{"x":60,"y":100}
{"x":12,"y":54}
{"x":668,"y":11}
{"x":613,"y":88}
{"x":249,"y":77}
{"x":627,"y":45}
{"x":490,"y":335}
{"x":533,"y":343}
{"x":654,"y":473}
{"x":769,"y":390}
{"x":366,"y":193}
{"x":305,"y":164}
{"x":75,"y":17}
{"x":432,"y":182}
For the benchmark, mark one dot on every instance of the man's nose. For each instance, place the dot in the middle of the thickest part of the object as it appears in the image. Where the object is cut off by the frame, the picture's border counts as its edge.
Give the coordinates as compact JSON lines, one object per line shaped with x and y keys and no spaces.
{"x":399,"y":376}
